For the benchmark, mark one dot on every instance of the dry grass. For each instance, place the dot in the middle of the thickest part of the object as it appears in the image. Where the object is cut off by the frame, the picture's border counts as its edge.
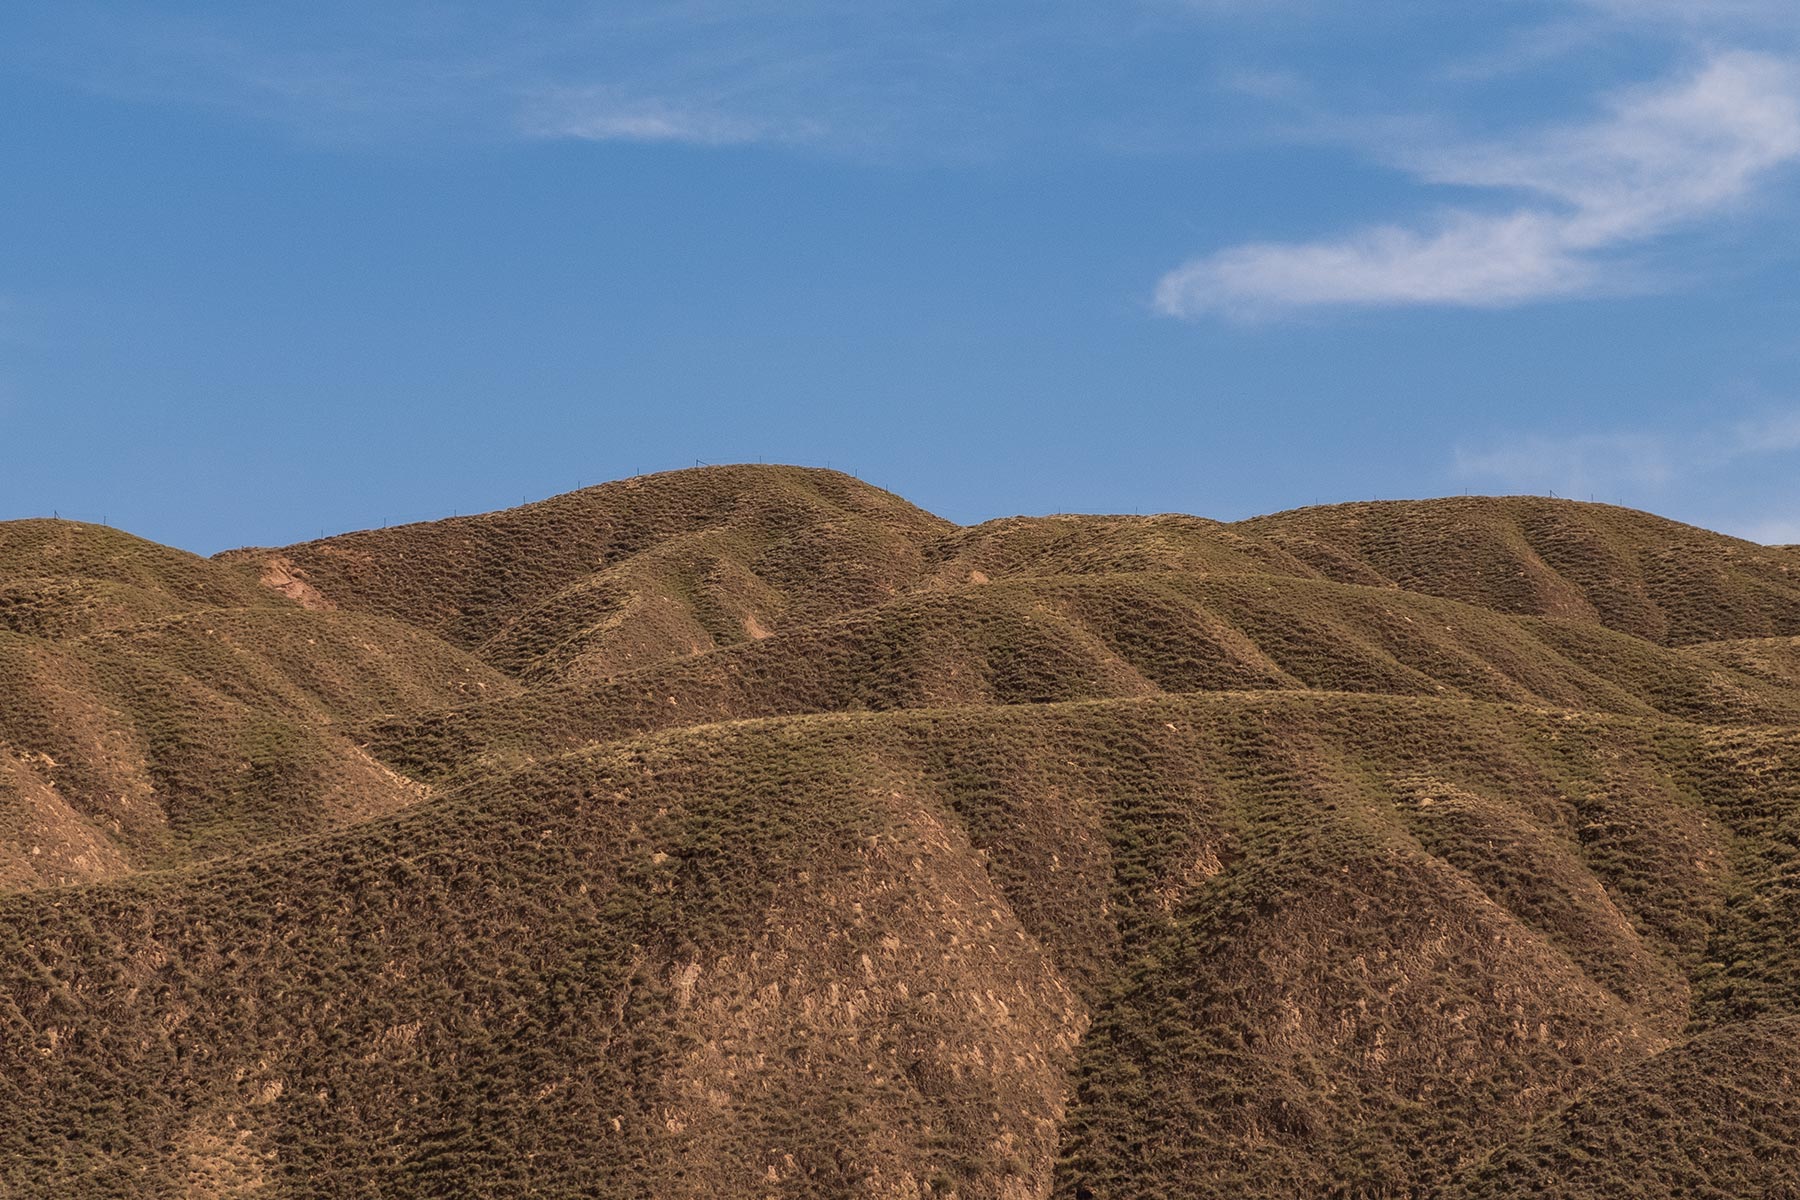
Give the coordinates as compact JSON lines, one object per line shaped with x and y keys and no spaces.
{"x":785,"y":840}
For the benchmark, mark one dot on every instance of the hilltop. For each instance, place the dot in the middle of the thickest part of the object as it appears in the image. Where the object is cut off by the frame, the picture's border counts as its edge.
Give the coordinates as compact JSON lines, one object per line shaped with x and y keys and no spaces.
{"x":748,"y":831}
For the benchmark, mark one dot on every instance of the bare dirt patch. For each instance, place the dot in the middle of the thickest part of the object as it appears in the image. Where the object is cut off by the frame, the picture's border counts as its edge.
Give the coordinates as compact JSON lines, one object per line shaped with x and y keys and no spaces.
{"x":280,"y":574}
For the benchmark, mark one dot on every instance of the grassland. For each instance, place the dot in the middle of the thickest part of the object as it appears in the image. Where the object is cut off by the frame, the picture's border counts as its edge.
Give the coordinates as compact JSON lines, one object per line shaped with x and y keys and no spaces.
{"x":749,"y":832}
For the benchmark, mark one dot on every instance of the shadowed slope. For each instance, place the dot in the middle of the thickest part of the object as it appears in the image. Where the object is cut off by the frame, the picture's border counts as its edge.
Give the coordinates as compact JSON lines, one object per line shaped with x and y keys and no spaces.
{"x":1713,"y":1117}
{"x":203,"y":735}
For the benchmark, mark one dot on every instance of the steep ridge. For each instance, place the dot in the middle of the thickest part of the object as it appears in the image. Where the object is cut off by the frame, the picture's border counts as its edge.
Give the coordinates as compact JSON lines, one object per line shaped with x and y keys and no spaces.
{"x":747,"y":831}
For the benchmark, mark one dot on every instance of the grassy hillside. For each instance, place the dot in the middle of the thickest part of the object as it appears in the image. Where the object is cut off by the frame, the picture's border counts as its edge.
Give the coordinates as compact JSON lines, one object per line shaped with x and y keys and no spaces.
{"x":63,"y":578}
{"x":748,"y":832}
{"x":625,"y":573}
{"x":1627,"y":570}
{"x":161,"y":708}
{"x":1320,"y":940}
{"x":1117,"y":635}
{"x":1713,"y":1117}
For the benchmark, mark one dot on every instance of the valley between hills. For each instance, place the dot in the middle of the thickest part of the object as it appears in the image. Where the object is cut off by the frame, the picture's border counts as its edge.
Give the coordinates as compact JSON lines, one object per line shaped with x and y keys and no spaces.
{"x":750,"y":832}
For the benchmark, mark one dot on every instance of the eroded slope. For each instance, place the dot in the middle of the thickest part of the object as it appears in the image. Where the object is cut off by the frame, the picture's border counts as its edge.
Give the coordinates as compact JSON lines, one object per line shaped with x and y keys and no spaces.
{"x":832,"y":955}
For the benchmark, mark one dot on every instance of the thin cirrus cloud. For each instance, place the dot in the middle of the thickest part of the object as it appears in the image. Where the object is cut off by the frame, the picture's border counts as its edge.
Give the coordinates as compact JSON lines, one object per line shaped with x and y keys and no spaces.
{"x":599,"y":115}
{"x":930,"y":80}
{"x":1607,"y":464}
{"x":1645,"y":466}
{"x":1659,"y":159}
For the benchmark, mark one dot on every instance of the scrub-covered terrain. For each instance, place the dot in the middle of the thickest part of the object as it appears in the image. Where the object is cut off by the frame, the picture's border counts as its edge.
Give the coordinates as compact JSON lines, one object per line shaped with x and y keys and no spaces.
{"x":749,"y":832}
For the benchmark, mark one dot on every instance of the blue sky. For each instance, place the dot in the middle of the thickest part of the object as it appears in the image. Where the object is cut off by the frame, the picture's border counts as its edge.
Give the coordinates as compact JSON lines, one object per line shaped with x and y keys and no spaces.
{"x":270,"y":270}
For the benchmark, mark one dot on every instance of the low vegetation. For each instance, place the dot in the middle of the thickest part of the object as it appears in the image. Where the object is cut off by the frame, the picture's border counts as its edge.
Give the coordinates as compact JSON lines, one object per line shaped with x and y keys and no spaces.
{"x":748,"y":832}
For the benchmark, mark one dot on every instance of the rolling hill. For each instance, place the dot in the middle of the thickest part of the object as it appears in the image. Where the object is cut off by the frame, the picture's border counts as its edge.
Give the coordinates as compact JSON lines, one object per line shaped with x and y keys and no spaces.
{"x":749,"y":832}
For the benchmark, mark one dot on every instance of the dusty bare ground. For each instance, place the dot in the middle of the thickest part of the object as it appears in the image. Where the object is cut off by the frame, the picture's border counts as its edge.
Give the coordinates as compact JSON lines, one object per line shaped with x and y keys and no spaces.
{"x":280,"y":574}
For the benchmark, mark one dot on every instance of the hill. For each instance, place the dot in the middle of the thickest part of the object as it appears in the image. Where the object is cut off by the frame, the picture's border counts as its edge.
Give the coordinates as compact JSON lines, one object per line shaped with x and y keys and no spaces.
{"x":1629,"y":571}
{"x":626,"y":573}
{"x":749,"y":832}
{"x":162,"y":708}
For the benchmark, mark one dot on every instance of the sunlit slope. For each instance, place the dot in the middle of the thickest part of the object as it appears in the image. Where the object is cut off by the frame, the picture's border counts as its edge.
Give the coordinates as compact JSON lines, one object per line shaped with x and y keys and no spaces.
{"x":1631,"y":571}
{"x":626,"y":573}
{"x":748,"y":831}
{"x":1188,"y":946}
{"x":1714,"y":1117}
{"x":1075,"y":544}
{"x":63,"y":578}
{"x":695,"y":967}
{"x":159,"y":708}
{"x":1026,"y":640}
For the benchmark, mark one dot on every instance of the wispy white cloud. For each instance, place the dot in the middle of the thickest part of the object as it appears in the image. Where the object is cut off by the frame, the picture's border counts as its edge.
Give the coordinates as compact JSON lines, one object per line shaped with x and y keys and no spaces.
{"x":1572,"y":466}
{"x":928,"y":76}
{"x":1462,"y":258}
{"x":601,"y":115}
{"x":1624,"y":462}
{"x":1656,"y":160}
